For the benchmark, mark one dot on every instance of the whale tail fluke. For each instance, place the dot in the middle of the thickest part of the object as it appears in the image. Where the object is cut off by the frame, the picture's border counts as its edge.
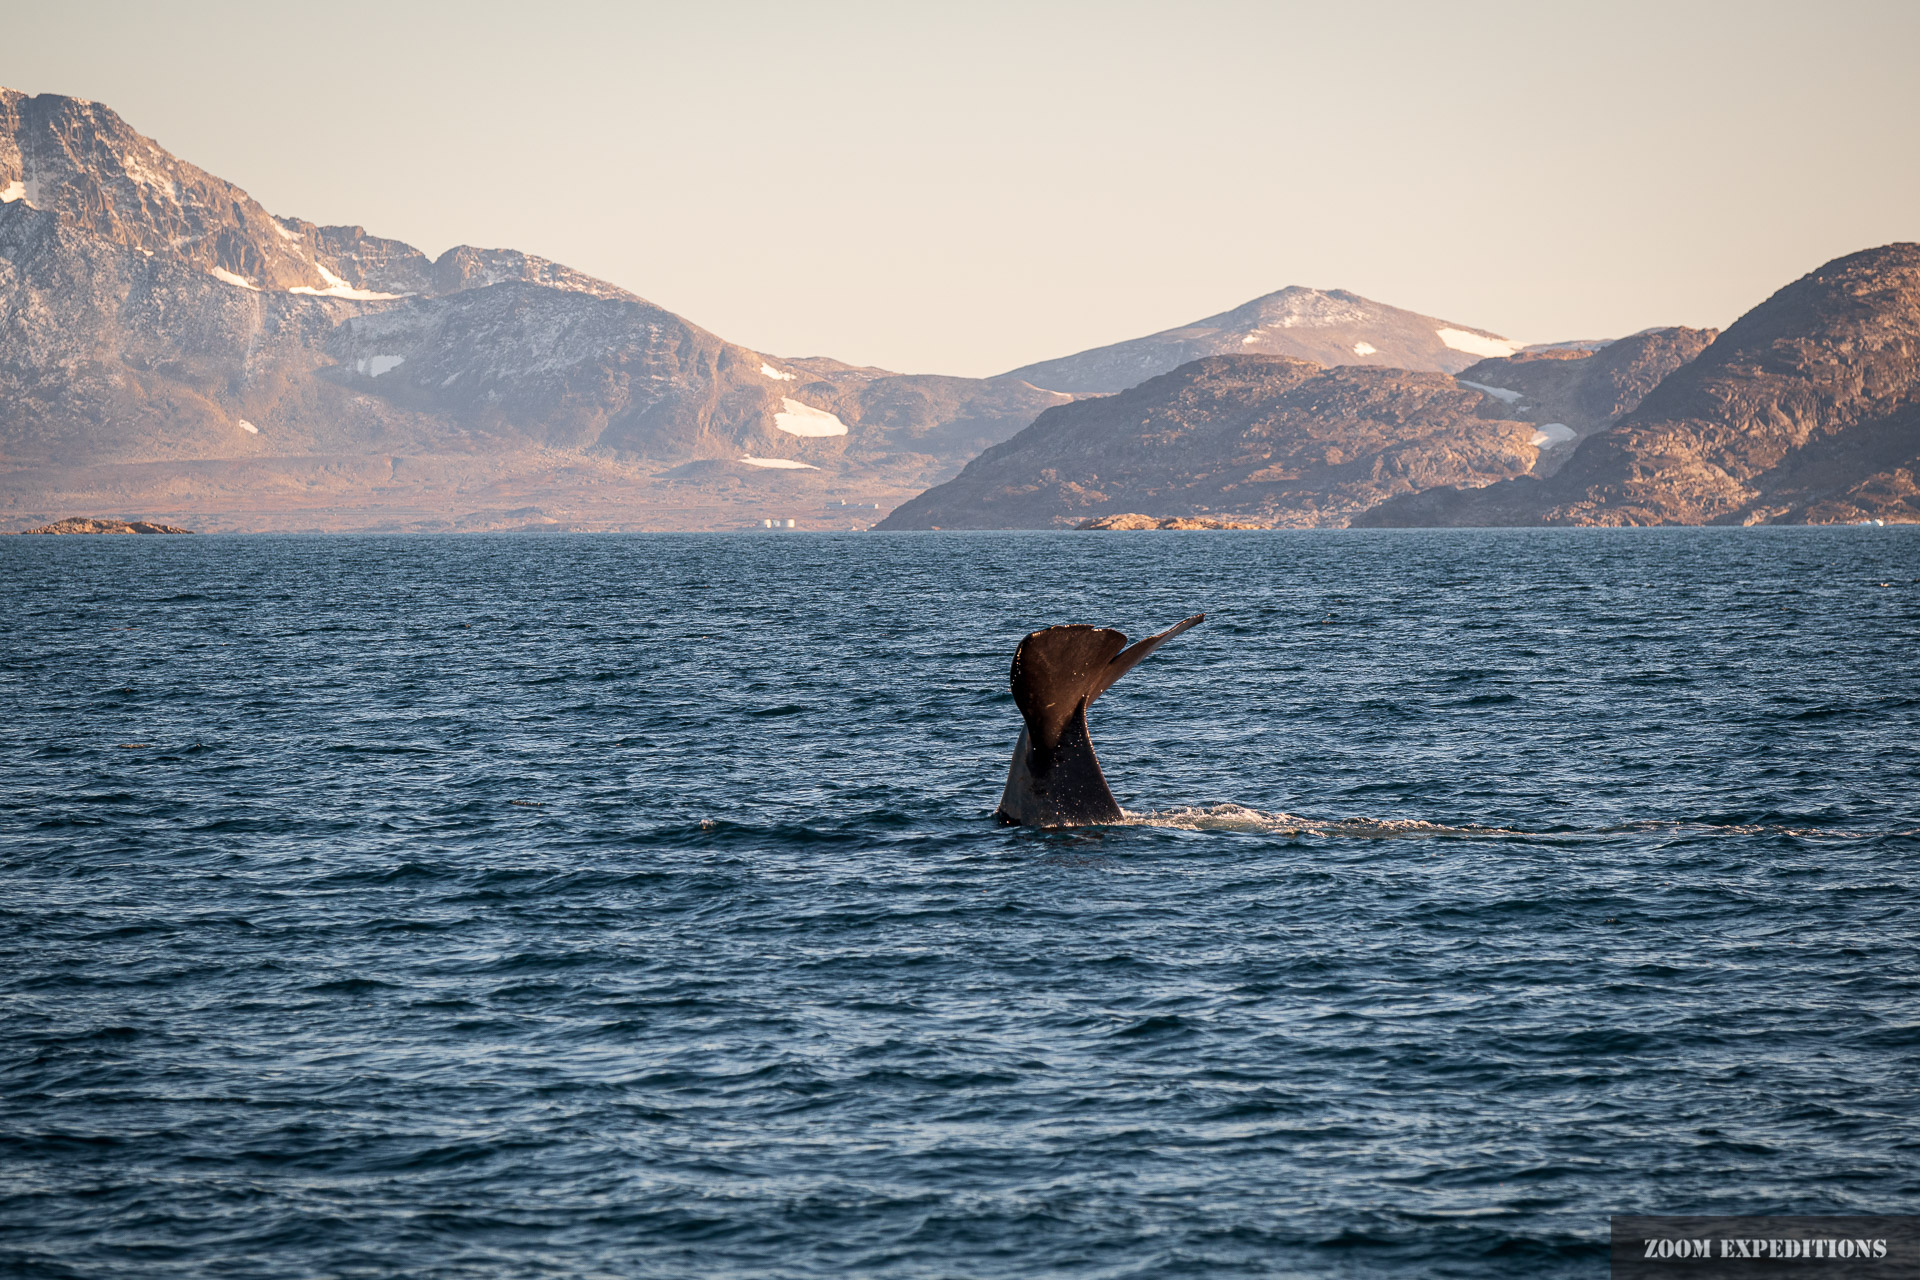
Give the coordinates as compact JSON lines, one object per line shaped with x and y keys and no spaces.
{"x":1127,"y":659}
{"x":1055,"y":778}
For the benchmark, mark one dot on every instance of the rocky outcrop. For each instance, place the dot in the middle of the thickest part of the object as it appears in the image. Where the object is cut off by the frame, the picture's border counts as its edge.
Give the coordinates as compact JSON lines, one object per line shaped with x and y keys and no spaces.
{"x":1571,"y":392}
{"x":167,"y":344}
{"x":1332,"y":327}
{"x":1264,"y":440}
{"x":96,"y":524}
{"x":1806,"y":410}
{"x":1133,"y":521}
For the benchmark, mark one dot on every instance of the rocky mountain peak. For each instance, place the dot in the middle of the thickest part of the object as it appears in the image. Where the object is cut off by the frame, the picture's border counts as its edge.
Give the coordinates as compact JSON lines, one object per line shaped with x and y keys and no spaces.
{"x":1296,"y":306}
{"x":1839,"y":343}
{"x":1327,"y":326}
{"x":79,"y":159}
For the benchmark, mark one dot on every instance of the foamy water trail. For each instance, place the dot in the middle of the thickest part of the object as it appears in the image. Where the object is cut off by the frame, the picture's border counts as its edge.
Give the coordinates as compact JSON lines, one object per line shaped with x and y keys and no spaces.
{"x":1237,"y":817}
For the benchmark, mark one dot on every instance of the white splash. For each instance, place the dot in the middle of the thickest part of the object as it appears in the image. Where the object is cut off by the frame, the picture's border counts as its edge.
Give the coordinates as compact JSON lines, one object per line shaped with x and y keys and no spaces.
{"x":805,"y":420}
{"x":374,"y":366}
{"x":775,"y":374}
{"x":1503,"y":394}
{"x":1551,"y":434}
{"x":1365,"y":349}
{"x":1477,"y":344}
{"x":781,"y":464}
{"x":240,"y":282}
{"x":249,"y":428}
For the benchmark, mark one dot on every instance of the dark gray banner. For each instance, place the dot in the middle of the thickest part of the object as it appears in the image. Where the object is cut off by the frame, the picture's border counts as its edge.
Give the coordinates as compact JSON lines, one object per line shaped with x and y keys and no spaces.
{"x":1816,"y":1247}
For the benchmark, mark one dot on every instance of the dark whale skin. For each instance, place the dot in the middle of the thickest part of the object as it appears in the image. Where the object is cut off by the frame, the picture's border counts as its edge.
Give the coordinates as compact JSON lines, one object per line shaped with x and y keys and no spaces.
{"x":1055,"y":778}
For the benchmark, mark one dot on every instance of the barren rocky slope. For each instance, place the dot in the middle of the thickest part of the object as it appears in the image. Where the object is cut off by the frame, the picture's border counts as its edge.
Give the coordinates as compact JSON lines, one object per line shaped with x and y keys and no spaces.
{"x":1330,"y":327}
{"x":169,"y":348}
{"x":1572,"y":392}
{"x":80,"y":160}
{"x":1806,"y":410}
{"x":1265,"y":439}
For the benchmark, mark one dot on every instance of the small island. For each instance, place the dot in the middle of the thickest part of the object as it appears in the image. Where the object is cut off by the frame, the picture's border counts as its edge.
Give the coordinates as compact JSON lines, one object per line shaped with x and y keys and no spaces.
{"x":97,"y":524}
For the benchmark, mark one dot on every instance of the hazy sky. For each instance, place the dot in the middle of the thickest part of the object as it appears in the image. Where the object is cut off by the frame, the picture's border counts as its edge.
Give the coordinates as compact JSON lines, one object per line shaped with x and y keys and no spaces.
{"x":966,"y":187}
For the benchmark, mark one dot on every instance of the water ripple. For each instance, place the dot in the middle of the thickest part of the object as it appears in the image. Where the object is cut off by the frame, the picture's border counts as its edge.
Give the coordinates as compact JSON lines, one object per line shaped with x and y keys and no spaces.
{"x":633,"y":906}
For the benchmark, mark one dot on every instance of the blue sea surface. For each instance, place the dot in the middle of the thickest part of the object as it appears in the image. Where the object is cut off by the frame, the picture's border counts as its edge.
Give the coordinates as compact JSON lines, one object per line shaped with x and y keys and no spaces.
{"x":632,"y":905}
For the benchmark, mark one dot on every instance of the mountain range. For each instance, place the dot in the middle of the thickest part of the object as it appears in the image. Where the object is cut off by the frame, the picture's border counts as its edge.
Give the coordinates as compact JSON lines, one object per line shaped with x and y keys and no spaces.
{"x":1805,"y":411}
{"x":169,"y":349}
{"x":1282,"y":442}
{"x":167,"y":345}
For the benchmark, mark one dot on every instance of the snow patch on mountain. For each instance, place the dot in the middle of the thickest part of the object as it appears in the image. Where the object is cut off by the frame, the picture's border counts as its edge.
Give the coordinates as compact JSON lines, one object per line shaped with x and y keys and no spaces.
{"x":1503,"y":394}
{"x":239,"y":282}
{"x":783,"y":464}
{"x":775,"y":374}
{"x":805,"y":420}
{"x":15,"y":190}
{"x":1477,"y":344}
{"x":338,"y":288}
{"x":1551,"y":434}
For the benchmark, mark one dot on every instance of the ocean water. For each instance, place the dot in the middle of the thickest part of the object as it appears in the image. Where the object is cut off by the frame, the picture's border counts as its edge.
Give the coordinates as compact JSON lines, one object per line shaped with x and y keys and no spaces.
{"x":632,"y":906}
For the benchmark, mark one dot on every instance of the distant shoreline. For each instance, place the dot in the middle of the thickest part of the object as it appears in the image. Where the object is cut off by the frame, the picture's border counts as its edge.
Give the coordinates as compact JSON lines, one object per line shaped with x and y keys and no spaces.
{"x":1159,"y":527}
